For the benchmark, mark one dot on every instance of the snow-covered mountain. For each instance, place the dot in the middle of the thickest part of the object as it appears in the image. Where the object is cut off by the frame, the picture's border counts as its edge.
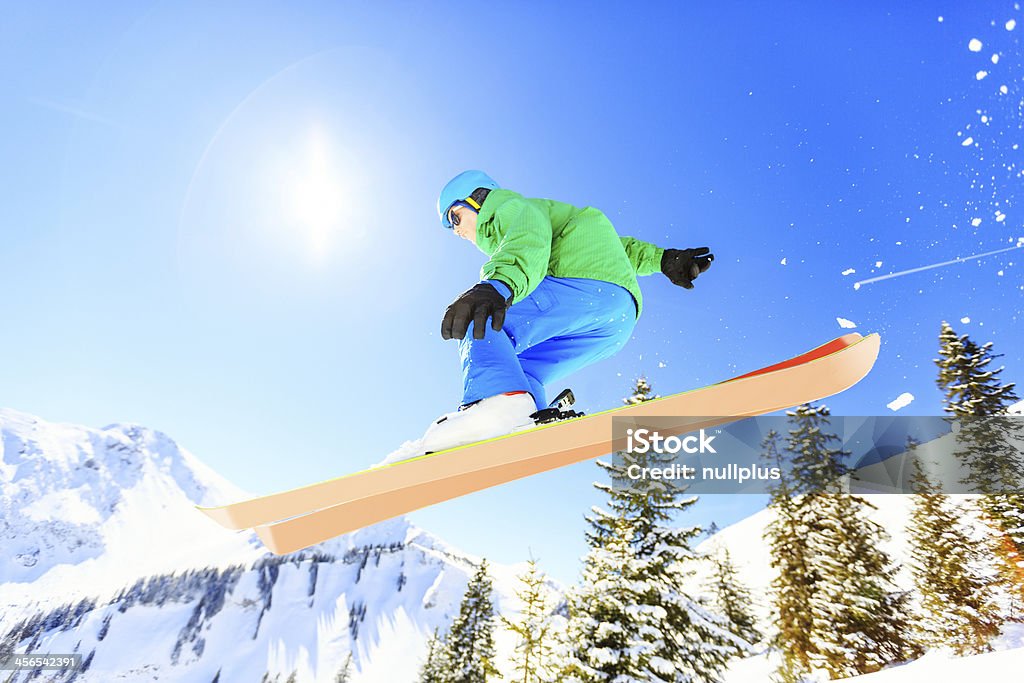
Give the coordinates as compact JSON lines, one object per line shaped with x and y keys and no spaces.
{"x":103,"y":506}
{"x":106,"y":556}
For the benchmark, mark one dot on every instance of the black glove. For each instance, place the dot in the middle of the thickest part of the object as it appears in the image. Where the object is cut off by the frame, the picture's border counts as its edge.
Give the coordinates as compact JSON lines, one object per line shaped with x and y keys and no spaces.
{"x":682,"y":266}
{"x":477,"y":304}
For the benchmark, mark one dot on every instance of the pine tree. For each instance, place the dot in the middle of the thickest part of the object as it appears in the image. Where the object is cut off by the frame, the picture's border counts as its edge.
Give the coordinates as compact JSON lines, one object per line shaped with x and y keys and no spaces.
{"x":863,"y":618}
{"x":973,"y":393}
{"x":629,"y":501}
{"x":537,"y":644}
{"x":694,"y":644}
{"x":733,"y":598}
{"x":344,"y":674}
{"x":642,"y":392}
{"x":469,"y":648}
{"x":969,"y":386}
{"x":839,"y":603}
{"x":435,"y":667}
{"x":615,"y":631}
{"x":958,"y":599}
{"x":793,"y":584}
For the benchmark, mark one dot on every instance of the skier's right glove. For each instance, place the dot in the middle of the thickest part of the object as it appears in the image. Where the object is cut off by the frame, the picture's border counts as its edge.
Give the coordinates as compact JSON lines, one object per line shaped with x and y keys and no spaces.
{"x":682,"y":266}
{"x":474,"y":305}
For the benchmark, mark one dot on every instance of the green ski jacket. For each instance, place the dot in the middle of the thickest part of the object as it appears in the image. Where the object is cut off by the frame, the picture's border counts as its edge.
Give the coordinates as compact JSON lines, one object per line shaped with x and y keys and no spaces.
{"x":527,"y":239}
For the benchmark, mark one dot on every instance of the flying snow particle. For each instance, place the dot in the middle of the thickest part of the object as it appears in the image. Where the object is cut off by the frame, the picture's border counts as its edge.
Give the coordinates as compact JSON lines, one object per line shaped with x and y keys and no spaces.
{"x":967,"y":143}
{"x":783,"y":261}
{"x":849,"y":271}
{"x":999,"y":273}
{"x":941,"y":19}
{"x":661,"y":364}
{"x":878,"y":264}
{"x":1003,"y":89}
{"x":981,"y":74}
{"x":1000,"y":216}
{"x":974,"y":45}
{"x":846,"y":324}
{"x":995,"y":59}
{"x":976,"y":222}
{"x":966,"y":319}
{"x":901,"y":401}
{"x":1011,"y":24}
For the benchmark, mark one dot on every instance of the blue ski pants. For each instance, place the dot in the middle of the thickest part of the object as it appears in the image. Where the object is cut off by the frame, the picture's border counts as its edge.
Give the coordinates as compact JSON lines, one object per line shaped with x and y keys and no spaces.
{"x":564,"y":325}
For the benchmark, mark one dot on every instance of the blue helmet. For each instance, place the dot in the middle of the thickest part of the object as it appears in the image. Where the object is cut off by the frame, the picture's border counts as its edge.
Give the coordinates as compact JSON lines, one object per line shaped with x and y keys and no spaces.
{"x":458,"y":189}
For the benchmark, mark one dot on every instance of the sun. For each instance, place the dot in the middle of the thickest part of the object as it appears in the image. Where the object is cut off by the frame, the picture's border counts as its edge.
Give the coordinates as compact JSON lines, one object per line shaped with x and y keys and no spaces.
{"x":319,"y":194}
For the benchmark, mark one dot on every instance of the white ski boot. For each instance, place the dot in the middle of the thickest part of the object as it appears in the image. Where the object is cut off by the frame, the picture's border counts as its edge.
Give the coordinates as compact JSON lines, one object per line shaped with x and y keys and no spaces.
{"x":484,"y":419}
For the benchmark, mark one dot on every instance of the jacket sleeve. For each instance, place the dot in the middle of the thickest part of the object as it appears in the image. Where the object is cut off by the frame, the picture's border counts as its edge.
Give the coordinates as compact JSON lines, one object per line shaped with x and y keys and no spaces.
{"x":645,"y":257}
{"x":524,"y":250}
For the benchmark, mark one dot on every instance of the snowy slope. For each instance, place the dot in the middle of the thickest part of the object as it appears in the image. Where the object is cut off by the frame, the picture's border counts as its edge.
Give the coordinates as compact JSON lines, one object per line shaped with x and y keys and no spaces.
{"x":939,"y":668}
{"x":749,"y":552}
{"x":110,"y":559}
{"x":298,"y":614}
{"x":934,"y":667}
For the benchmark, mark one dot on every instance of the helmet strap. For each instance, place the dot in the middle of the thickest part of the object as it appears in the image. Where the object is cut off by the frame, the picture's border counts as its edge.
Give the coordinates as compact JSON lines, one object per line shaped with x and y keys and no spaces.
{"x":476,"y":200}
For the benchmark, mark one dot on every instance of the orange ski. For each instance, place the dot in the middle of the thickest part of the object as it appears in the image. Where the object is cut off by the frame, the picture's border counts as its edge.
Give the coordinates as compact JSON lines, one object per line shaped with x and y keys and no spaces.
{"x":320,"y":511}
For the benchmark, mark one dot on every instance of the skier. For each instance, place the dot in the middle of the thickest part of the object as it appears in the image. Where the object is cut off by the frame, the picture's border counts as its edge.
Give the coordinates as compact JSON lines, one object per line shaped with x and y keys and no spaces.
{"x":559,"y":290}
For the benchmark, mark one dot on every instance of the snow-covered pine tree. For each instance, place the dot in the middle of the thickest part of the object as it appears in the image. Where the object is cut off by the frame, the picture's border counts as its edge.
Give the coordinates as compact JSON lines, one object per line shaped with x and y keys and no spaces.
{"x":344,"y":674}
{"x":958,"y":599}
{"x":614,"y":632}
{"x":794,"y":580}
{"x":858,"y":617}
{"x":469,"y":645}
{"x":987,"y":446}
{"x":537,"y":639}
{"x":629,"y":501}
{"x":969,"y":386}
{"x":732,"y":597}
{"x":696,"y":643}
{"x":435,"y":667}
{"x":642,"y":392}
{"x":863,"y":618}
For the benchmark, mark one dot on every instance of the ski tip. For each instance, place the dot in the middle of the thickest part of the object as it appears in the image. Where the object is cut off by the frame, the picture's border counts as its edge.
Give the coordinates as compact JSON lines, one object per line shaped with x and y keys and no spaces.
{"x":222,"y":516}
{"x":866,"y":352}
{"x":875,"y":340}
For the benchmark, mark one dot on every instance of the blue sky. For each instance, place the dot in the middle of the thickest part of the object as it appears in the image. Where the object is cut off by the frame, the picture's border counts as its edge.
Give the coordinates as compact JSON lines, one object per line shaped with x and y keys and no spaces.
{"x":219,"y":219}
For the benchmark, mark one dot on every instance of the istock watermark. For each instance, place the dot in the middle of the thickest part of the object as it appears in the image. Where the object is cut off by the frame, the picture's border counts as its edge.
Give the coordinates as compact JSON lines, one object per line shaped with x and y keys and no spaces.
{"x":821,"y":453}
{"x":645,"y":440}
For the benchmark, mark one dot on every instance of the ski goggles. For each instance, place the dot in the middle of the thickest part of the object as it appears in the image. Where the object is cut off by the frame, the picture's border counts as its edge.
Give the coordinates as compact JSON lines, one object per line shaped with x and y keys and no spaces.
{"x":453,"y":218}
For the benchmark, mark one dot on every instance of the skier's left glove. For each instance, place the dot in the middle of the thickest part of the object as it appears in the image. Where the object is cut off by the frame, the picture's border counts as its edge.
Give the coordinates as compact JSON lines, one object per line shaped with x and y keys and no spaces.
{"x":682,"y":266}
{"x":475,"y":305}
